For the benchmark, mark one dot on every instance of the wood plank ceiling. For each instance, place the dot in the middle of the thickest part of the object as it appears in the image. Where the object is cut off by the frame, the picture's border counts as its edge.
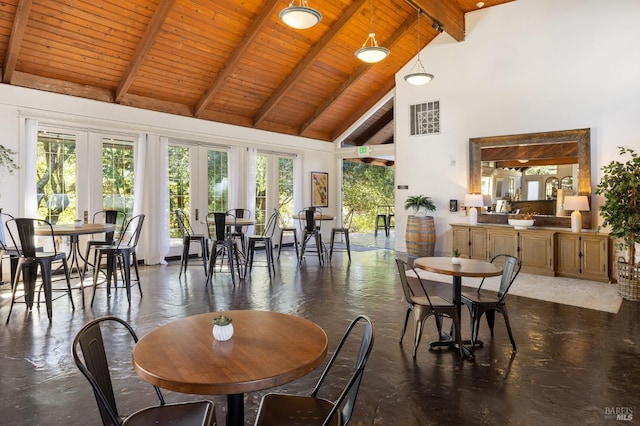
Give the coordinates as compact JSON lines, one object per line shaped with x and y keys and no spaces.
{"x":227,"y":61}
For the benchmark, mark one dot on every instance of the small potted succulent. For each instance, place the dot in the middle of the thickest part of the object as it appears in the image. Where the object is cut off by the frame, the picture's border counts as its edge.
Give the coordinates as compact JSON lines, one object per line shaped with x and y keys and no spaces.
{"x":456,"y":260}
{"x":222,"y":328}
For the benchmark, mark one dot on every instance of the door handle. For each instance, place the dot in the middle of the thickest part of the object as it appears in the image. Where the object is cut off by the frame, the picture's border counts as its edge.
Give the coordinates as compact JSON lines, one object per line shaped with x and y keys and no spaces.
{"x":197,"y":214}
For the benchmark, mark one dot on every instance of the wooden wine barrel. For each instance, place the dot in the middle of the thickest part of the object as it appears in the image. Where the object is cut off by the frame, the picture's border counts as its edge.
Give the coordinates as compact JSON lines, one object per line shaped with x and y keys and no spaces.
{"x":420,"y":236}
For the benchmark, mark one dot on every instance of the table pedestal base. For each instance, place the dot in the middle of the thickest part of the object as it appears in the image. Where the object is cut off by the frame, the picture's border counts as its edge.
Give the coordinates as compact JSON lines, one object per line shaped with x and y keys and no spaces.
{"x":235,"y":409}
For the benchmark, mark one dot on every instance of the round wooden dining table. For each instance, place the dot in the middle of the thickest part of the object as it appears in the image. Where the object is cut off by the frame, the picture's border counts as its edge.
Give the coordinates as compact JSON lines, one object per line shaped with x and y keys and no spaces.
{"x":267,"y":349}
{"x":466,"y":268}
{"x":73,"y":231}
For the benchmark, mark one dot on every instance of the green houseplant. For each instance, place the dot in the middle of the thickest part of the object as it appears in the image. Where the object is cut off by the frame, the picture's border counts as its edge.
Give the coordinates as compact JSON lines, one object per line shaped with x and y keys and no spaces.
{"x":620,"y":185}
{"x":420,"y":203}
{"x":6,"y":159}
{"x":420,"y":236}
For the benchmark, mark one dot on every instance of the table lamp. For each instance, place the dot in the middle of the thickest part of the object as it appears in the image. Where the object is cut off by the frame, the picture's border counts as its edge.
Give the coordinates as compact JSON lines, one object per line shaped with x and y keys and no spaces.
{"x":472,"y":201}
{"x":576,"y":203}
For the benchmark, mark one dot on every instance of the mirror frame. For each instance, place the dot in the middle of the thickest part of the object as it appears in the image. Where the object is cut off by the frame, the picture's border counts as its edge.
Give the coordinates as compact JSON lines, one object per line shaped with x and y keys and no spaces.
{"x":581,"y":136}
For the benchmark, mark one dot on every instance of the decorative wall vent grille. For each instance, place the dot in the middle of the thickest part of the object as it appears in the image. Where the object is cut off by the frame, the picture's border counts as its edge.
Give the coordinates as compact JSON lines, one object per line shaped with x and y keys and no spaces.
{"x":425,"y":118}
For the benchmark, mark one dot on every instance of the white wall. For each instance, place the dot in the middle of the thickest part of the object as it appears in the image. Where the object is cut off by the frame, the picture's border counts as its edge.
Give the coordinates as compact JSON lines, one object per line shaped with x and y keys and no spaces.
{"x":525,"y":66}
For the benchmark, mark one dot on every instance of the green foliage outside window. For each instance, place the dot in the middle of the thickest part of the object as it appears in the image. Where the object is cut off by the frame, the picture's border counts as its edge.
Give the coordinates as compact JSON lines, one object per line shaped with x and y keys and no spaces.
{"x":365,"y":187}
{"x":56,"y":177}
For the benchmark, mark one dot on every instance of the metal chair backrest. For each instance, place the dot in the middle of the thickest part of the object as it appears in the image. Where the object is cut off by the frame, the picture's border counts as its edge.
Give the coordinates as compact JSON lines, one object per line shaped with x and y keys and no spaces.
{"x":23,"y":235}
{"x":309,"y":215}
{"x":409,"y":294}
{"x":115,"y":217}
{"x":272,"y":224}
{"x":4,"y":217}
{"x":510,"y":269}
{"x":183,"y":223}
{"x":131,"y":233}
{"x":96,"y":368}
{"x":348,"y":219}
{"x":347,"y":399}
{"x":220,"y":220}
{"x":241,"y":214}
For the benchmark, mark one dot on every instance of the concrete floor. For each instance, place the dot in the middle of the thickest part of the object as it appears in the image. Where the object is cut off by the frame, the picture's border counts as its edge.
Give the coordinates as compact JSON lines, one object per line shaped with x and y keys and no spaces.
{"x":573,"y":365}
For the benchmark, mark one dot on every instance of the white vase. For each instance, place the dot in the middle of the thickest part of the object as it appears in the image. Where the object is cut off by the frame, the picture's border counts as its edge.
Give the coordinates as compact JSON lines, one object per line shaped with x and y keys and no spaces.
{"x":222,"y":332}
{"x":456,"y":260}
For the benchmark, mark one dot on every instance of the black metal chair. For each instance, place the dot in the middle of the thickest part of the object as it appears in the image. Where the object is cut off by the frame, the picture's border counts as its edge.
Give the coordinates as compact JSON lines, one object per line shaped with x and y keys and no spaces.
{"x":122,"y":253}
{"x":5,"y":250}
{"x":311,"y":230}
{"x":222,"y":244}
{"x":115,"y":217}
{"x":286,"y":228}
{"x":264,"y":240}
{"x":237,"y":232}
{"x":95,"y":368}
{"x":283,"y":409}
{"x":488,"y":303}
{"x":423,"y":306}
{"x":23,"y":236}
{"x":186,"y":231}
{"x":382,"y":214}
{"x":342,"y":230}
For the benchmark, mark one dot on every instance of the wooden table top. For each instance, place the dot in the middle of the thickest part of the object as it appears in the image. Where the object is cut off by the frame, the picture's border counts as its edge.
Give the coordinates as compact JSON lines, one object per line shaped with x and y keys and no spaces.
{"x":240,"y":221}
{"x":72,"y":229}
{"x":467,"y":267}
{"x":267,"y":349}
{"x":316,"y":217}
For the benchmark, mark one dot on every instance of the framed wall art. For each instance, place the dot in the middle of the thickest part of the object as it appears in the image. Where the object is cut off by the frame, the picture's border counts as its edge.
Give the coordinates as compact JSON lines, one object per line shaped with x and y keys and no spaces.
{"x":319,"y":189}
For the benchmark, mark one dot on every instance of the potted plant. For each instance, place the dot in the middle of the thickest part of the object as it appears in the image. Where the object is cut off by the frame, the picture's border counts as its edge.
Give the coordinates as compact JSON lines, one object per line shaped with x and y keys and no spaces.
{"x":420,"y":236}
{"x":620,"y":185}
{"x":6,"y":159}
{"x":456,"y":260}
{"x":222,"y":328}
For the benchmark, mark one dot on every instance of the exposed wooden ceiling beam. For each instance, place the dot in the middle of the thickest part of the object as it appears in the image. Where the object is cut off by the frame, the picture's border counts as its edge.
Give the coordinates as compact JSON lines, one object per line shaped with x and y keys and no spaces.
{"x":230,"y":64}
{"x":447,"y":13}
{"x":374,"y":129}
{"x":306,"y":63}
{"x":356,"y":75}
{"x":146,"y":43}
{"x":15,"y":39}
{"x":364,"y":108}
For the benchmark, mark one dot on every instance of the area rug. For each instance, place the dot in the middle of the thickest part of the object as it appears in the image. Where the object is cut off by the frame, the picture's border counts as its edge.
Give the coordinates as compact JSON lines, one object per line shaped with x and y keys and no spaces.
{"x":567,"y":291}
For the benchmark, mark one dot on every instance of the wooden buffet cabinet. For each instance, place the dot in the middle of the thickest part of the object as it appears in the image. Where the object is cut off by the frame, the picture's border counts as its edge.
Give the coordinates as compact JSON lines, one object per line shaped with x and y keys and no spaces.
{"x":543,"y":251}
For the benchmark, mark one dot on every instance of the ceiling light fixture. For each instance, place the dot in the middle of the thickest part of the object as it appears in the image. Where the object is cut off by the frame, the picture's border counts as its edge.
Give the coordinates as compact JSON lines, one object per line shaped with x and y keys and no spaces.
{"x":300,"y":17}
{"x":420,"y":76}
{"x":371,"y":53}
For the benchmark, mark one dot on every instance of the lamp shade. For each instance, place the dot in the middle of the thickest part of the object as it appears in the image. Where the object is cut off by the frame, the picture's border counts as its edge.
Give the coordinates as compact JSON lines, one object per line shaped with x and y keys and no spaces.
{"x":372,"y":54}
{"x":418,"y":78}
{"x":300,"y":17}
{"x":576,"y":202}
{"x":473,"y":200}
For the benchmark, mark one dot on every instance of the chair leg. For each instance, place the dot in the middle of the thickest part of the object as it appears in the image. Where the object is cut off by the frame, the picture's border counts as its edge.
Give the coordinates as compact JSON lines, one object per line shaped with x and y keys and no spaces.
{"x":127,"y":274}
{"x":506,"y":321}
{"x":333,"y":235}
{"x":45,"y":268}
{"x":203,"y":248}
{"x":346,"y":240}
{"x":230,"y":245}
{"x":406,"y":321}
{"x":250,"y":253}
{"x":419,"y":324}
{"x":212,"y":263}
{"x":184,"y":259}
{"x":491,"y":319}
{"x":16,"y":279}
{"x":67,"y":276}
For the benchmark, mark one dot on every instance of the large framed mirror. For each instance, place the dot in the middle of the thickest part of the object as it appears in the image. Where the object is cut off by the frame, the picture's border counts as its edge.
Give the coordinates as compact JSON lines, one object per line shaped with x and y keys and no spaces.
{"x":518,"y":153}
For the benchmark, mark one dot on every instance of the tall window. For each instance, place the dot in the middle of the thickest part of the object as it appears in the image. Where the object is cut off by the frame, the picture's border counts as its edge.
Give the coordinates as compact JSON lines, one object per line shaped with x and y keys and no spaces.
{"x":261,"y":193}
{"x":218,"y":181}
{"x":179,"y":185}
{"x":117,"y":175}
{"x":285,"y":188}
{"x":56,"y":177}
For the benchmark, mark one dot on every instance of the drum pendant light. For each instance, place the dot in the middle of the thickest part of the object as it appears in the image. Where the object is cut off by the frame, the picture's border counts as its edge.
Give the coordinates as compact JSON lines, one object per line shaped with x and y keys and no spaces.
{"x":370,"y":52}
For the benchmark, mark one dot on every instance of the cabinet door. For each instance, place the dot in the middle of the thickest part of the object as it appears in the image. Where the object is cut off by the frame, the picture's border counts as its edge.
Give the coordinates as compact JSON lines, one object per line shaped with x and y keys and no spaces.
{"x":503,"y":242}
{"x":461,"y":240}
{"x":595,"y":258}
{"x":536,"y":252}
{"x":478,"y":243}
{"x":568,"y":254}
